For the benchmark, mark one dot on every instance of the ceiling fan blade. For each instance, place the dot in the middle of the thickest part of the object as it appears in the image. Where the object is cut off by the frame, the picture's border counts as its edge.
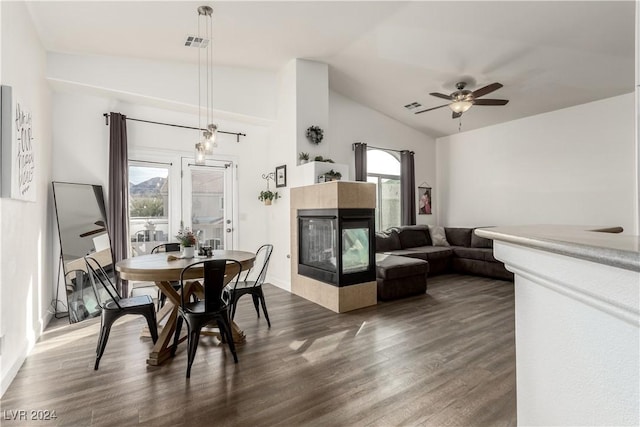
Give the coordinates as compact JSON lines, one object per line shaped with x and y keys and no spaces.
{"x":490,"y":101}
{"x":455,"y":115}
{"x":441,"y":95}
{"x":429,"y":109}
{"x":486,"y":90}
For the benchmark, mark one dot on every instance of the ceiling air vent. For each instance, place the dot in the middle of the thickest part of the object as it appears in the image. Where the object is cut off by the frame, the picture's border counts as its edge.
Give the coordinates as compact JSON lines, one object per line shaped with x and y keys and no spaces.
{"x":195,"y":41}
{"x":413,"y":106}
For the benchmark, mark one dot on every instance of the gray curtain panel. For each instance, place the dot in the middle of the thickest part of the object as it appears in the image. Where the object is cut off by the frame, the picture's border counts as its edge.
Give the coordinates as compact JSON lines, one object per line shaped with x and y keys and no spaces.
{"x":118,"y":215}
{"x":361,"y":161}
{"x":407,"y":188}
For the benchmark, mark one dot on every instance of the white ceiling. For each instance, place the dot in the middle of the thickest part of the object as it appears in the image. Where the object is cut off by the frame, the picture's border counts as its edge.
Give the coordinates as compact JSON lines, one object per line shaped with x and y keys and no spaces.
{"x":548,"y":55}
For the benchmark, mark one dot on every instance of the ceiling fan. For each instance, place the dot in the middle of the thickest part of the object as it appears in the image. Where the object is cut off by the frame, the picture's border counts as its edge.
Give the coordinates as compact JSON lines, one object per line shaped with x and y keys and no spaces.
{"x":463,"y":99}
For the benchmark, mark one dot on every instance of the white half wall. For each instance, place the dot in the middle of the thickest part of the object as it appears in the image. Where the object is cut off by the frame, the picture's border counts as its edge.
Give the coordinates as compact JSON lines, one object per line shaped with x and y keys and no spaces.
{"x":572,"y":166}
{"x":26,"y":228}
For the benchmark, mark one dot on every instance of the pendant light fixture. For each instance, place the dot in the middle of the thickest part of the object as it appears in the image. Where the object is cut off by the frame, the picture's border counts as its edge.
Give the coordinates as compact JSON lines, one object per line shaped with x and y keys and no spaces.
{"x":204,"y":41}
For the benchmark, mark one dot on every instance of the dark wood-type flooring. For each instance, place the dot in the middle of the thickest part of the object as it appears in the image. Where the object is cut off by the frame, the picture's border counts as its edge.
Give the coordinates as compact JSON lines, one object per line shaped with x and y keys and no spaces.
{"x":443,"y":358}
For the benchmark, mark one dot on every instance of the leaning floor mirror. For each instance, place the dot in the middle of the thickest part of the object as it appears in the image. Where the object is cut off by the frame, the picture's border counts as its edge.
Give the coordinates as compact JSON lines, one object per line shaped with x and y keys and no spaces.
{"x":82,"y":228}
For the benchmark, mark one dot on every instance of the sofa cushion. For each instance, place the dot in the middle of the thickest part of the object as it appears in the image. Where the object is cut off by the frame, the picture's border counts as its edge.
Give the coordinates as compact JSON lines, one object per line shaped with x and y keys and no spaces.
{"x":438,"y":236}
{"x":387,"y":241}
{"x":426,"y":253}
{"x":458,"y":236}
{"x":488,"y":255}
{"x":470,"y":253}
{"x":480,"y":242}
{"x":396,"y":267}
{"x":413,"y":235}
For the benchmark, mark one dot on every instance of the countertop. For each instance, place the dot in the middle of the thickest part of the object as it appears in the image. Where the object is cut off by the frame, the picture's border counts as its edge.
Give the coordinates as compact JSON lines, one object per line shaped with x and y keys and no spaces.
{"x":604,"y":245}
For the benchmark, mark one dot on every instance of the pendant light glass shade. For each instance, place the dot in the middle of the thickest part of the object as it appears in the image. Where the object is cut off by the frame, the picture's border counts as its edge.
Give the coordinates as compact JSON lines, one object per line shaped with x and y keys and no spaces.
{"x":200,"y":154}
{"x":210,"y":137}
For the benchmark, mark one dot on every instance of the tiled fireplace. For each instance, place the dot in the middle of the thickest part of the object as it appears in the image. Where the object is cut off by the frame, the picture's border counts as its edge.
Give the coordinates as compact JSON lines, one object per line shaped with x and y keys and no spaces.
{"x":332,"y":244}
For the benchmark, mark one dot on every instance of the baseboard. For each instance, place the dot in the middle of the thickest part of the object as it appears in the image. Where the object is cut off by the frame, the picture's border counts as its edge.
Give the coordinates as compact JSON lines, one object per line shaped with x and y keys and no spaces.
{"x":10,"y":374}
{"x":7,"y":377}
{"x":285,"y":285}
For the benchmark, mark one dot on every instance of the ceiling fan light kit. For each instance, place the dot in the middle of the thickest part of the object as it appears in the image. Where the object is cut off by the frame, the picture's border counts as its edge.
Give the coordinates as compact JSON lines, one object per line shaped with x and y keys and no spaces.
{"x":462,"y":99}
{"x":460,"y":106}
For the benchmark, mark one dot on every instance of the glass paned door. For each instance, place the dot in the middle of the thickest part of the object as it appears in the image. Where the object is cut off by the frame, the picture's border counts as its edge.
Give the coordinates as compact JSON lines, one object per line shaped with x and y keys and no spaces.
{"x":207,"y":202}
{"x":148,"y":206}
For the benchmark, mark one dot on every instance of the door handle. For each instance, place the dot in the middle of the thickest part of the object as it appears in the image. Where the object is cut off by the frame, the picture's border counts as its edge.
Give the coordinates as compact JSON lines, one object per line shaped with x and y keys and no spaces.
{"x":228,"y":230}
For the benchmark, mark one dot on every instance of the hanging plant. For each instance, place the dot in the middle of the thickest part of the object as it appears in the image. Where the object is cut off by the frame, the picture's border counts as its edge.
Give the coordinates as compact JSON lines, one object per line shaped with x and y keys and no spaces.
{"x":268,"y":196}
{"x":315,"y":134}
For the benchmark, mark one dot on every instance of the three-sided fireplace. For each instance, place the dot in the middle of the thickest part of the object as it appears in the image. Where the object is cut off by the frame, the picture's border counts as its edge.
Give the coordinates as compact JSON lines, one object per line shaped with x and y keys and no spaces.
{"x":336,"y":246}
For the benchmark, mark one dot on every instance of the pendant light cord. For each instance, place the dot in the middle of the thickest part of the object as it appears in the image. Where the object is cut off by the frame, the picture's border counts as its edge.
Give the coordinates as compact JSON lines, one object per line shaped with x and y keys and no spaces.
{"x":211,"y":63}
{"x":199,"y":78}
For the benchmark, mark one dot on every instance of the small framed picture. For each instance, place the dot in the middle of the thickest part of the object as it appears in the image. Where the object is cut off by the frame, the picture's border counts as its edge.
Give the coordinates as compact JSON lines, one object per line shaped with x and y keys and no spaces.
{"x":425,"y":200}
{"x":281,"y":176}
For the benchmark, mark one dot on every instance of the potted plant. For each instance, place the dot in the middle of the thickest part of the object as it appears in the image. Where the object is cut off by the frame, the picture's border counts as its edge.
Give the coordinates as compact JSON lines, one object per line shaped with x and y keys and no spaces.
{"x":303,"y":157}
{"x":332,"y":176}
{"x":268,"y":196}
{"x":322,"y":159}
{"x":187,"y":240}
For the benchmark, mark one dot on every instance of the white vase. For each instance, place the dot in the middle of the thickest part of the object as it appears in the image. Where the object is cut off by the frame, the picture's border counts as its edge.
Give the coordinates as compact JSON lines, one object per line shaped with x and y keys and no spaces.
{"x":188,"y":252}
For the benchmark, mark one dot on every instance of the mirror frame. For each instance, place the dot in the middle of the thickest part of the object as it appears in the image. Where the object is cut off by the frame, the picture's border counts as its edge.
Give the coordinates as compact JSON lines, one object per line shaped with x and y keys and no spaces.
{"x":77,"y":307}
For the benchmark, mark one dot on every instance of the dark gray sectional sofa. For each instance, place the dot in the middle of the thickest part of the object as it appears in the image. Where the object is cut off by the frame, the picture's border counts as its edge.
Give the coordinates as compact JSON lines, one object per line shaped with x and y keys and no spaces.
{"x":406,"y":256}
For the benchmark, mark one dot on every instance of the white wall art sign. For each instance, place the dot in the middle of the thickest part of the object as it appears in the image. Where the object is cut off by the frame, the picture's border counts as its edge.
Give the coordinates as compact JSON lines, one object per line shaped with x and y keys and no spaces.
{"x":18,"y":151}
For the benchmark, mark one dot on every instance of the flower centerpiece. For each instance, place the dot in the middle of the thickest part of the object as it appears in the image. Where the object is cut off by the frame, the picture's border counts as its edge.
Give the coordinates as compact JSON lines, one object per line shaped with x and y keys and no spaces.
{"x":187,"y":240}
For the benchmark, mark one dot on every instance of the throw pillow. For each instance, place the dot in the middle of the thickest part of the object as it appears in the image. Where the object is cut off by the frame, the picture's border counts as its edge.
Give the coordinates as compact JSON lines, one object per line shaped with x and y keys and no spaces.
{"x":438,"y":237}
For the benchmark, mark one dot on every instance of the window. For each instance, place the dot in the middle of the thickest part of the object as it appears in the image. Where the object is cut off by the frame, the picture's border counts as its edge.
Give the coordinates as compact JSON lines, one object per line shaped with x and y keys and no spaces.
{"x":383,"y":169}
{"x":148,"y":206}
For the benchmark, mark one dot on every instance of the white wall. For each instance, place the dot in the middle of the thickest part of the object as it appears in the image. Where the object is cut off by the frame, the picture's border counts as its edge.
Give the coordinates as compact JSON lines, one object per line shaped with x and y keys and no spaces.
{"x":237,"y":91}
{"x":312,"y":105}
{"x":282,"y":152}
{"x":571,"y":166}
{"x":352,"y":122}
{"x":26,"y":228}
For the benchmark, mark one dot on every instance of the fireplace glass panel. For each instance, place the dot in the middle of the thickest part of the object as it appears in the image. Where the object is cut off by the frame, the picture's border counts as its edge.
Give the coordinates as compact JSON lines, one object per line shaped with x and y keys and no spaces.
{"x":355,"y":248}
{"x":318,"y":243}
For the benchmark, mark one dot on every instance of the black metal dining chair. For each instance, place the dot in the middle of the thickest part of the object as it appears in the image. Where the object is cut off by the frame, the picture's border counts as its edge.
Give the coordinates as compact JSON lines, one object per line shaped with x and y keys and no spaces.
{"x":166,"y":247}
{"x":211,"y":309}
{"x":115,"y":307}
{"x":252,"y":287}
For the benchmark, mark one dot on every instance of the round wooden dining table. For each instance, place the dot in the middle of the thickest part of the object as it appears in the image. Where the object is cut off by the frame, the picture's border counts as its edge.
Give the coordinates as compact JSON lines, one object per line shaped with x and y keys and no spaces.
{"x":161,"y":269}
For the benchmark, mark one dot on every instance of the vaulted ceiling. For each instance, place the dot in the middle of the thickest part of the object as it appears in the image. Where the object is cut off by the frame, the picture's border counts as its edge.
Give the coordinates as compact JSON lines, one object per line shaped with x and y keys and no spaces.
{"x":548,"y":55}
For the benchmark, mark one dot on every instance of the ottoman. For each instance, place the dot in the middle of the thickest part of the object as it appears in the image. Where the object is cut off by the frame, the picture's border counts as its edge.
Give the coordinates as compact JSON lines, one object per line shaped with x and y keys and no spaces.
{"x":400,"y":277}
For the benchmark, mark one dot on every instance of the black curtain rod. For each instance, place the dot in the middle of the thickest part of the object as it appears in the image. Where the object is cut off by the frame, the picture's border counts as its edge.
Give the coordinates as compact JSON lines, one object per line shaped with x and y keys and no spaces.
{"x":379,"y":148}
{"x":150,"y":162}
{"x":237,"y":134}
